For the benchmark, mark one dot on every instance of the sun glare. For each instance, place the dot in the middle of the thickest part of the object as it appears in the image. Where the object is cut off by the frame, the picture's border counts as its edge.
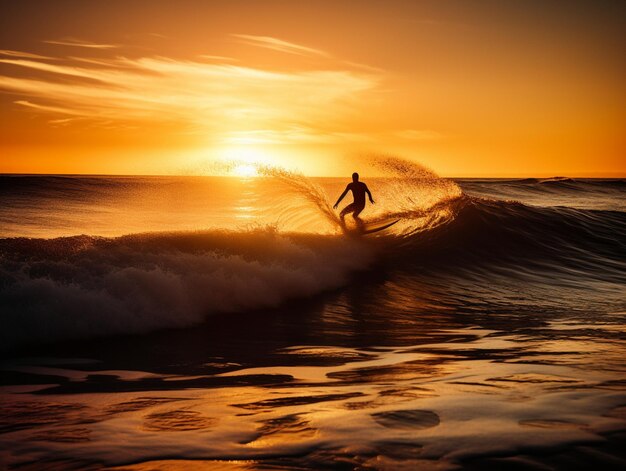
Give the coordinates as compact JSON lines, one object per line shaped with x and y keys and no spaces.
{"x":245,"y":171}
{"x":243,"y":161}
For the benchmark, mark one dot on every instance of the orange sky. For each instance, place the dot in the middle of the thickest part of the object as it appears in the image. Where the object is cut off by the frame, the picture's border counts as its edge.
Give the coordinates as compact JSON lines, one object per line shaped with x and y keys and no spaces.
{"x":486,"y":88}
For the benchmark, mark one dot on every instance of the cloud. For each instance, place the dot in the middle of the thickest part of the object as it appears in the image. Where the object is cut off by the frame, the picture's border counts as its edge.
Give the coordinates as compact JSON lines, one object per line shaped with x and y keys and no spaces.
{"x":219,"y":100}
{"x":275,"y":44}
{"x":63,"y":121}
{"x":358,"y":65}
{"x":293,"y":134}
{"x":27,"y":55}
{"x":58,"y":69}
{"x":44,"y":108}
{"x":73,"y":42}
{"x":217,"y":58}
{"x":214,"y":98}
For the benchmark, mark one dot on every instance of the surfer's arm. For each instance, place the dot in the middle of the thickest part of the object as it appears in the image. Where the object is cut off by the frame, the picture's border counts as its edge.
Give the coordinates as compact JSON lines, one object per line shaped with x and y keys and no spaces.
{"x":341,"y":197}
{"x":367,"y":190}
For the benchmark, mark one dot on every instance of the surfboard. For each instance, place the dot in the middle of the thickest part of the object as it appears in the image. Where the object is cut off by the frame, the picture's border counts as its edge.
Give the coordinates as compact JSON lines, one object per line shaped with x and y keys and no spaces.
{"x":375,"y":228}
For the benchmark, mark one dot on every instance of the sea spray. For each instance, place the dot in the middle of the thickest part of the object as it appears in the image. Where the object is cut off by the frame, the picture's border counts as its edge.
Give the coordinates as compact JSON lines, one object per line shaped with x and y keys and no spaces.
{"x":304,"y":187}
{"x":413,"y":193}
{"x":418,"y":187}
{"x":408,"y":191}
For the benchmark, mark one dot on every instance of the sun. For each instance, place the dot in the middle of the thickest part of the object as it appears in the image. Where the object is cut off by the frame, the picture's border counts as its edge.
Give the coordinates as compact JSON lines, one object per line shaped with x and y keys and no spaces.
{"x":245,"y":171}
{"x":244,"y":161}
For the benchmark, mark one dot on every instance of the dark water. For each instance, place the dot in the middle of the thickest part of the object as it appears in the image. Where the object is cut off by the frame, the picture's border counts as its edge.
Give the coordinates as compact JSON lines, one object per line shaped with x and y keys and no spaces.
{"x":220,"y":319}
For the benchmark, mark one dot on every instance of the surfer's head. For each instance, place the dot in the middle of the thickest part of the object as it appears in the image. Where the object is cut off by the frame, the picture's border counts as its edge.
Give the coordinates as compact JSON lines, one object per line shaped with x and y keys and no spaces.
{"x":355,"y":177}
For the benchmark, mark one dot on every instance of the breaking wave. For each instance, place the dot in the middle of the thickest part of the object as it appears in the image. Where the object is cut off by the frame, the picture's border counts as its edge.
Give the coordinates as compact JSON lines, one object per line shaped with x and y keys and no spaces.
{"x":85,"y":286}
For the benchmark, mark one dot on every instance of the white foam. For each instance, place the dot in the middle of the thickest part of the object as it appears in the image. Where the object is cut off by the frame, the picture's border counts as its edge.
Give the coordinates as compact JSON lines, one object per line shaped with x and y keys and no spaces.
{"x":126,"y":287}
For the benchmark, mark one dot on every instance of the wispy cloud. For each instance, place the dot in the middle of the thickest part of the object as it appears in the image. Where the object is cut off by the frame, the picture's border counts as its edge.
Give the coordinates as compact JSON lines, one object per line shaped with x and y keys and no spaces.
{"x":276,"y":44}
{"x":219,"y":100}
{"x":294,"y":134}
{"x":63,"y":121}
{"x":25,"y":55}
{"x":217,"y":58}
{"x":57,"y":69}
{"x":46,"y":109}
{"x":73,"y":42}
{"x":369,"y":68}
{"x":212,"y":97}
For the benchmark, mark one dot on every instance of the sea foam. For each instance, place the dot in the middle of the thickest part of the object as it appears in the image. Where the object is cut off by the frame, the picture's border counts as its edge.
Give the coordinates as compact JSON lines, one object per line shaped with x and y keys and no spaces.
{"x":83,"y":286}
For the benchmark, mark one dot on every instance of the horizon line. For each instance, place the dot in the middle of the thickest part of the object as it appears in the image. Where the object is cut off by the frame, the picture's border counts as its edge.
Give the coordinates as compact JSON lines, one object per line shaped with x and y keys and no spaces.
{"x":595,"y":176}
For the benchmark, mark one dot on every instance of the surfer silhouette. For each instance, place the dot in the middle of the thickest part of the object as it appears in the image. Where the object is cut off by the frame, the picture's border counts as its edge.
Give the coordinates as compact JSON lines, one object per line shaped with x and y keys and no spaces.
{"x":358,"y":193}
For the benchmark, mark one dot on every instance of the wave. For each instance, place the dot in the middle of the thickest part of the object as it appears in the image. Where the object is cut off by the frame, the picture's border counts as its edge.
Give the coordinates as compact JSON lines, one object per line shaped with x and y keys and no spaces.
{"x":74,"y":287}
{"x":52,"y":289}
{"x":495,"y":231}
{"x":563,"y":182}
{"x":85,"y":286}
{"x":68,"y":187}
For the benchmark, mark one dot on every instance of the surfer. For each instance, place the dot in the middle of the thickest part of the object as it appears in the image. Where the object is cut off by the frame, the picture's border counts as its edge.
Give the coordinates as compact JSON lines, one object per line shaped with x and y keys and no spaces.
{"x":358,"y":193}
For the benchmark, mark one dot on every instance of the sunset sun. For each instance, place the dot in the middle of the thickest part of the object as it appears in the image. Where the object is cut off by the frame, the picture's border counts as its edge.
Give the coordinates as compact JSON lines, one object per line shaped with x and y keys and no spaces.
{"x":245,"y":170}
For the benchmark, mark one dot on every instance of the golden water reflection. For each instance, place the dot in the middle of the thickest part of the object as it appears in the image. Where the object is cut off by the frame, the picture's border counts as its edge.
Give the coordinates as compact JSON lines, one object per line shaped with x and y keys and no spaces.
{"x":444,"y":401}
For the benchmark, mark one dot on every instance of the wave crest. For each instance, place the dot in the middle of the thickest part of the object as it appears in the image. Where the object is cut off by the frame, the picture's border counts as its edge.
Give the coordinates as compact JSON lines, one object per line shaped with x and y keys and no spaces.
{"x":84,"y":286}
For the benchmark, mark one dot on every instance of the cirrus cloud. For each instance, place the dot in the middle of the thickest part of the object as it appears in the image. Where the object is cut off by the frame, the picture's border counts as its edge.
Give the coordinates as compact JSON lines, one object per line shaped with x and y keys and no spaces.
{"x":214,"y":98}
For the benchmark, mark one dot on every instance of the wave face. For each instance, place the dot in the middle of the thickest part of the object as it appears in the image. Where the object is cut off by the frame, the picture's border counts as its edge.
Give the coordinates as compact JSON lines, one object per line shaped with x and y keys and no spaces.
{"x":486,"y":231}
{"x":581,"y":193}
{"x":84,"y":286}
{"x":472,"y":242}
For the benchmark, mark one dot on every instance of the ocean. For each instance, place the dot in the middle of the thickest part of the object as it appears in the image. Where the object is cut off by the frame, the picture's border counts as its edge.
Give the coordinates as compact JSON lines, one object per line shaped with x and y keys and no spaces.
{"x":234,"y":323}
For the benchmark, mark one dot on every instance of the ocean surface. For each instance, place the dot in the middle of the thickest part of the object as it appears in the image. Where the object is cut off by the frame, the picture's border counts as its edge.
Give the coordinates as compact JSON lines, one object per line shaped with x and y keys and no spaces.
{"x":235,"y":323}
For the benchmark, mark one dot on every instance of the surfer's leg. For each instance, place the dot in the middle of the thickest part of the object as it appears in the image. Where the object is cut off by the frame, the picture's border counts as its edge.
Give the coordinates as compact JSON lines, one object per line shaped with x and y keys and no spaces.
{"x":355,"y":214}
{"x":346,"y":210}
